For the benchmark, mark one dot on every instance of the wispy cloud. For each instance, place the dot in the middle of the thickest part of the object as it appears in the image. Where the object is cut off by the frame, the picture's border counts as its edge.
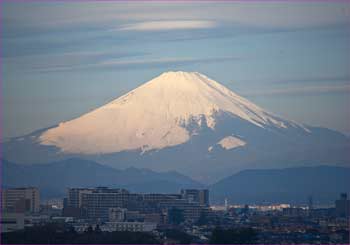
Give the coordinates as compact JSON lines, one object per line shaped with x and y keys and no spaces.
{"x":34,"y":28}
{"x":316,"y":79}
{"x":168,"y":25}
{"x":319,"y":78}
{"x":301,"y":90}
{"x":281,"y":14}
{"x":65,"y":60}
{"x":137,"y":63}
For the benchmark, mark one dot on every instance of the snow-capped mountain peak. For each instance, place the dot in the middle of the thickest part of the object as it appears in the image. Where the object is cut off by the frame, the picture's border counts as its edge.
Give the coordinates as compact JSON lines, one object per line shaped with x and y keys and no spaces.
{"x":155,"y":116}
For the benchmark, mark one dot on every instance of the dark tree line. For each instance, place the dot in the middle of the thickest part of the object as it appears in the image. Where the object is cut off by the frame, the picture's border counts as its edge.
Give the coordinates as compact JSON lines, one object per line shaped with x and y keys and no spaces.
{"x":233,"y":236}
{"x":60,"y":234}
{"x":53,"y":234}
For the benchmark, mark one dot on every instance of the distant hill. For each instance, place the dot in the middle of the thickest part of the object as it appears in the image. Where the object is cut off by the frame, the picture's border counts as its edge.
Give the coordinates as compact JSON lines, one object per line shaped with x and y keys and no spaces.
{"x":291,"y":185}
{"x":54,"y":178}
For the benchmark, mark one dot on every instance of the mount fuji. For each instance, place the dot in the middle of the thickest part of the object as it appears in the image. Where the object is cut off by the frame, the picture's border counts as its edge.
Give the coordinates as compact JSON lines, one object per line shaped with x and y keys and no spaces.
{"x":187,"y":122}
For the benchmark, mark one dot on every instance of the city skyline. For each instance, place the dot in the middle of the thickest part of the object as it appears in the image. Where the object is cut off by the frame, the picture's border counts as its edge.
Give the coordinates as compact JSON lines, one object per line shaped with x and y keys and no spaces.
{"x":91,"y":215}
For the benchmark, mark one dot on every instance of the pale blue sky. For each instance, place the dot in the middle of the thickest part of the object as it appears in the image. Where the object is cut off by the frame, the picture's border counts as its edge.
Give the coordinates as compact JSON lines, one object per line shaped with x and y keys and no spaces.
{"x":61,"y":59}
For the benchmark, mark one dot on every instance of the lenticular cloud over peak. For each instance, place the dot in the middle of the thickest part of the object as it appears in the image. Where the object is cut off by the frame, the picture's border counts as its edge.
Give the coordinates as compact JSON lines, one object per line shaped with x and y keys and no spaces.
{"x":168,"y":25}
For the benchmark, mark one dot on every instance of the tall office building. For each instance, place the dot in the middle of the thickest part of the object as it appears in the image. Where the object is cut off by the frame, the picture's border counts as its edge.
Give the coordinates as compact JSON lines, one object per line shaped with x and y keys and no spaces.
{"x":74,"y":199}
{"x":93,"y":202}
{"x":21,"y":200}
{"x":189,"y":210}
{"x":105,"y":203}
{"x":72,"y":204}
{"x":97,"y":203}
{"x":342,"y":206}
{"x":196,"y":195}
{"x":310,"y":203}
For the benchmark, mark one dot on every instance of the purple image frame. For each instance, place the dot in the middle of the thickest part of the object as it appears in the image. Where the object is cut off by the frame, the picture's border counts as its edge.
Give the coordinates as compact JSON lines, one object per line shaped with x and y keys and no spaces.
{"x":120,"y":1}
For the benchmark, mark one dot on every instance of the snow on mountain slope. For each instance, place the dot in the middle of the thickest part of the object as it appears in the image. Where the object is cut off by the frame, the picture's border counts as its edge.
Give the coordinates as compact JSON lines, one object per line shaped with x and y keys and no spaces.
{"x":228,"y":143}
{"x":155,"y":115}
{"x":231,"y":142}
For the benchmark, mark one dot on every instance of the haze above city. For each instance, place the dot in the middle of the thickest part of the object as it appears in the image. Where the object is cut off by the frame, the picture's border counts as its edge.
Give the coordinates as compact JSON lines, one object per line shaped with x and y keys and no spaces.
{"x":63,"y":59}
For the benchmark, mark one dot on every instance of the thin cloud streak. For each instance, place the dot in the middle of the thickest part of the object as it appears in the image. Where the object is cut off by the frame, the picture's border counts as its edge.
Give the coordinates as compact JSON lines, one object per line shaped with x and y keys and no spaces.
{"x":297,"y":80}
{"x":168,"y":25}
{"x":270,"y":14}
{"x":66,"y":59}
{"x":304,"y":90}
{"x":138,"y":64}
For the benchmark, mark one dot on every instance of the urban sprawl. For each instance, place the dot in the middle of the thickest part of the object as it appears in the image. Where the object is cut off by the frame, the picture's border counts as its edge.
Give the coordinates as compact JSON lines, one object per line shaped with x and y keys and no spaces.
{"x":173,"y":218}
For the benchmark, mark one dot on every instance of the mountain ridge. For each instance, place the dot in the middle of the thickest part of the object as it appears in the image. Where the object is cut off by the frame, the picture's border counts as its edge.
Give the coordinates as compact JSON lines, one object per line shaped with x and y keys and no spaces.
{"x":288,"y":185}
{"x":53,"y":178}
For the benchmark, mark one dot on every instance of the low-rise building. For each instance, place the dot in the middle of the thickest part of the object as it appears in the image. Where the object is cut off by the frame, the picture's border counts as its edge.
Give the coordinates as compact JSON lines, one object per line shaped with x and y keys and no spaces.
{"x":294,"y":211}
{"x":116,"y":214}
{"x":21,"y":200}
{"x":12,"y":222}
{"x":129,"y":226}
